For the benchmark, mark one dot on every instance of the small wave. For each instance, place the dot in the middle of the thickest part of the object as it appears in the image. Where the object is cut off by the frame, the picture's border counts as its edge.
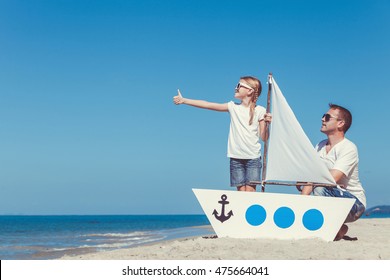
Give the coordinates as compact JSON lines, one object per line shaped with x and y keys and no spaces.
{"x":123,"y":239}
{"x":114,"y":234}
{"x":58,"y":249}
{"x":123,"y":244}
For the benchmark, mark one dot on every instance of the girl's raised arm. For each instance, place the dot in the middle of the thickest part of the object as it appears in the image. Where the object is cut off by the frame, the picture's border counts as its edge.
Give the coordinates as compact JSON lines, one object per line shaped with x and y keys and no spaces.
{"x":179,"y":99}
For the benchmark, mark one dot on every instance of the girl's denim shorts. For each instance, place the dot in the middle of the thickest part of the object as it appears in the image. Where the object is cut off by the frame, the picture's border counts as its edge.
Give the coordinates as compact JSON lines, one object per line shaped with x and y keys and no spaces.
{"x":243,"y":171}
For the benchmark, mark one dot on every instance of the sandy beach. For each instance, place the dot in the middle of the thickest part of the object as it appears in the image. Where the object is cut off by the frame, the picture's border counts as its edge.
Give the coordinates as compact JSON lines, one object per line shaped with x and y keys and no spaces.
{"x":373,"y":243}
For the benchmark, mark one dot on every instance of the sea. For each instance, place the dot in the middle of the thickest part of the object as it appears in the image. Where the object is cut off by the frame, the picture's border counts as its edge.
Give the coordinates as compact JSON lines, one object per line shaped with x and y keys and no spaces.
{"x":51,"y":237}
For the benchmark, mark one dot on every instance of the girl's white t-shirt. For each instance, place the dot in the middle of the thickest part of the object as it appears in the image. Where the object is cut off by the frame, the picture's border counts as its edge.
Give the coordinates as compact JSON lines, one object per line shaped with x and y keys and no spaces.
{"x":243,"y":142}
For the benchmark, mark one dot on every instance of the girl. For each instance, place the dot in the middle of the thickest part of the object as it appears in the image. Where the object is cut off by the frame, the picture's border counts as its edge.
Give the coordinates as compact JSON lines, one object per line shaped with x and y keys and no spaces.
{"x":247,"y":123}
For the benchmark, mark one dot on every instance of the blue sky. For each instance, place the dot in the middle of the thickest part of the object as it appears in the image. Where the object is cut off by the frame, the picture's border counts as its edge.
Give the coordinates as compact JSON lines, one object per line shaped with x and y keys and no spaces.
{"x":87,"y":123}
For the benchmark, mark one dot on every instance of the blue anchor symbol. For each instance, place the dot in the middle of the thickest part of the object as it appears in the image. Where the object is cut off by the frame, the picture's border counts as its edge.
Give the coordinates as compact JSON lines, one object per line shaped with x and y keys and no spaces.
{"x":222,"y":218}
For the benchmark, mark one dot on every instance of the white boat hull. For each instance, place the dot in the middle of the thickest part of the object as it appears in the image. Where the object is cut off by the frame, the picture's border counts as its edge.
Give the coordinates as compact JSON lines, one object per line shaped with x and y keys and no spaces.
{"x":273,"y":215}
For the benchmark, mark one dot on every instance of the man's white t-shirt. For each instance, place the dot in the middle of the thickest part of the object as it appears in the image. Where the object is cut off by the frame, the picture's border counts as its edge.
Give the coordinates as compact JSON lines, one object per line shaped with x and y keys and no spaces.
{"x":344,"y":157}
{"x":243,"y":142}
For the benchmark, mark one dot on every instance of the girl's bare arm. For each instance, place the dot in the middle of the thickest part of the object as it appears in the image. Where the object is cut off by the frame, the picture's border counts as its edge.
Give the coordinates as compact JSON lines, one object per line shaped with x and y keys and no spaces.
{"x":179,"y":99}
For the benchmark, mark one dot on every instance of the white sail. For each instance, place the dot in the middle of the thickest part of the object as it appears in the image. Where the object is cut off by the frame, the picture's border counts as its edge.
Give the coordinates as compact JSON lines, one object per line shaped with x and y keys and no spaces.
{"x":291,"y":156}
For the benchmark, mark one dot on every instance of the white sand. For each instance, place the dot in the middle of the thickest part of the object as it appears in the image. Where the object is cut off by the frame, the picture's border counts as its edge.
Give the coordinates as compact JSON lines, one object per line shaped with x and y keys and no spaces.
{"x":373,"y":244}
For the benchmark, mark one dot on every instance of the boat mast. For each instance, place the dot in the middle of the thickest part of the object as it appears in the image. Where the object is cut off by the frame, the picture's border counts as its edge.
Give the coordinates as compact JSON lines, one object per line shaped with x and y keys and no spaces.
{"x":267,"y":134}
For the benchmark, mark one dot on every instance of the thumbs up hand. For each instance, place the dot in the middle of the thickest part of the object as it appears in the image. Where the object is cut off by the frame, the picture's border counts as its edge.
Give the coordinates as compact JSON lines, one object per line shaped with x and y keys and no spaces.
{"x":178,"y":99}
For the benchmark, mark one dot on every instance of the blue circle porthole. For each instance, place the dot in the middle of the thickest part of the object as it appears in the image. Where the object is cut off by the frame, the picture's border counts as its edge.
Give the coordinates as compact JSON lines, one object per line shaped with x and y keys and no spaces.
{"x":313,"y":219}
{"x":284,"y":217}
{"x":255,"y":215}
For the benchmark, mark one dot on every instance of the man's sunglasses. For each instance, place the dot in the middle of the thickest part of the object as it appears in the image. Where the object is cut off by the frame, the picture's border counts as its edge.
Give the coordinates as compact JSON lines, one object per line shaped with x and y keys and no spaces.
{"x":327,"y":117}
{"x":239,"y":85}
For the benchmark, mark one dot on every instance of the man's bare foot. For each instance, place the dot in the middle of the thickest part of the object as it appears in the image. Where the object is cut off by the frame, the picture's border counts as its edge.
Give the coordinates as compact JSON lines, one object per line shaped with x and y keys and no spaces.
{"x":343,"y":230}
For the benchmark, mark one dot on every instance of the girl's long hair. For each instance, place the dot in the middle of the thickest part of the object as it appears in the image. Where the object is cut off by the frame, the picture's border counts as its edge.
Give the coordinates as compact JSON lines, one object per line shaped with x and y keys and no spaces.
{"x":256,"y":85}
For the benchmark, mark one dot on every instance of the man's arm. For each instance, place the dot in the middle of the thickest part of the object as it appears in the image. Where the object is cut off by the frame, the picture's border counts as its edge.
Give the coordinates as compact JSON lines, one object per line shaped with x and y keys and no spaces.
{"x":347,"y":160}
{"x":338,"y":176}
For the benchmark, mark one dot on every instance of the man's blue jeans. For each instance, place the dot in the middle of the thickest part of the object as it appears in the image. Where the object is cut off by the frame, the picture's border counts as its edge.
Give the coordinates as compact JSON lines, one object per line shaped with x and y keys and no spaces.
{"x":357,"y":209}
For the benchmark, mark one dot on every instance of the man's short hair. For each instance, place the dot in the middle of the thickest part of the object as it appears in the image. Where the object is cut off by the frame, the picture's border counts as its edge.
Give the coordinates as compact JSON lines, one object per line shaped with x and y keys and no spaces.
{"x":344,"y":114}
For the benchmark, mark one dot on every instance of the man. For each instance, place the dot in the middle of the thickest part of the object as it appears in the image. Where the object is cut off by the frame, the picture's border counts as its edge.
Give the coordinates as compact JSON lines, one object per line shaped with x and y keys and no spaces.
{"x":341,"y":158}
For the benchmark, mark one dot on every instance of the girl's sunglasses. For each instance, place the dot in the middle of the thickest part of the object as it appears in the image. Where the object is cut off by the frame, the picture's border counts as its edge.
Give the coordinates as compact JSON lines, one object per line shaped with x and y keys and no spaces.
{"x":239,"y":85}
{"x":327,"y":117}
